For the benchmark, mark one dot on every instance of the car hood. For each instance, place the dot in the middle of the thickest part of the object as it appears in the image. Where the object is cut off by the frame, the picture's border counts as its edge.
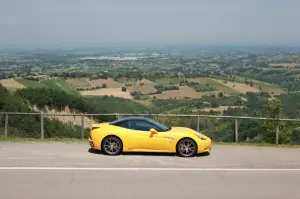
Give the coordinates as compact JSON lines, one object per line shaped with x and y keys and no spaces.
{"x":184,"y":130}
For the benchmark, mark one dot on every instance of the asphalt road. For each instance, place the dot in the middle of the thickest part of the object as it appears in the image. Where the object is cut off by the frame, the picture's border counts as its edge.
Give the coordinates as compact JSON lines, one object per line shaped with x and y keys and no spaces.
{"x":58,"y":170}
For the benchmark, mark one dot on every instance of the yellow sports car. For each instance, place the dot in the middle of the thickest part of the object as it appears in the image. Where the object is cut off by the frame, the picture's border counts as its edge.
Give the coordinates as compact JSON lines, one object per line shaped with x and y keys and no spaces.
{"x":139,"y":134}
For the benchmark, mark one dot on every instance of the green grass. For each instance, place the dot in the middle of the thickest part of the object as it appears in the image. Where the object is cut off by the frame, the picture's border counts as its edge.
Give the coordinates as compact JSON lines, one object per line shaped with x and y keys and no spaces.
{"x":256,"y":144}
{"x":60,"y":84}
{"x":168,"y":81}
{"x":258,"y":83}
{"x":19,"y":139}
{"x":31,"y":83}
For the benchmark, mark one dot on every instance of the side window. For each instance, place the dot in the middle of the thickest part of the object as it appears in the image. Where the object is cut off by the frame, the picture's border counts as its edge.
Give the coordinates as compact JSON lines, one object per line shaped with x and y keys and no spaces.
{"x":140,"y":126}
{"x":125,"y":125}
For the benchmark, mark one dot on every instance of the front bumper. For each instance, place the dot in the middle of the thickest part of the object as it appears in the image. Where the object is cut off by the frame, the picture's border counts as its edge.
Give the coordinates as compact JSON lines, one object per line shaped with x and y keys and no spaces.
{"x":204,"y":146}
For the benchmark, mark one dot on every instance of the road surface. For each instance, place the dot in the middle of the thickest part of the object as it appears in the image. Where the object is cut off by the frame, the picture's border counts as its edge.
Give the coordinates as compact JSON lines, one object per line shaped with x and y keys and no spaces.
{"x":60,"y":170}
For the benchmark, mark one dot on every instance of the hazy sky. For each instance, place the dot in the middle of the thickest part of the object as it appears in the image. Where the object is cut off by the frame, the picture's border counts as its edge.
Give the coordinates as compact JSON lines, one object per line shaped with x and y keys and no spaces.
{"x":39,"y":22}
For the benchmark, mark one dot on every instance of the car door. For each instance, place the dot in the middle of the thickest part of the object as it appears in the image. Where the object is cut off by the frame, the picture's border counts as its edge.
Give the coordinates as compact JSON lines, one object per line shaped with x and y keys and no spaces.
{"x":145,"y":140}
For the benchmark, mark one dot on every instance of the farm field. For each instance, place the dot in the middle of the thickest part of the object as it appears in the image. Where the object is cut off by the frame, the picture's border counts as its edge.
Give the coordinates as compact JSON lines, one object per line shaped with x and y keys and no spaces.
{"x":239,"y":87}
{"x":79,"y":83}
{"x":116,"y":92}
{"x":218,"y":109}
{"x":111,"y":83}
{"x":214,"y":83}
{"x":11,"y":84}
{"x":277,"y":68}
{"x":60,"y":84}
{"x":182,"y":93}
{"x":168,"y":81}
{"x":31,"y":83}
{"x":143,"y":86}
{"x":265,"y":86}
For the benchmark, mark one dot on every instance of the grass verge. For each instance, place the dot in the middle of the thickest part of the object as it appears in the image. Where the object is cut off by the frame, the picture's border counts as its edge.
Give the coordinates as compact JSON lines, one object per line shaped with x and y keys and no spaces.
{"x":256,"y":144}
{"x":18,"y":139}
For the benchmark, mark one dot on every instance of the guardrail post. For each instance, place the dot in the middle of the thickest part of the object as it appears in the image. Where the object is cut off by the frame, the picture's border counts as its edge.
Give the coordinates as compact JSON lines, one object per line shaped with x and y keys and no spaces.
{"x":277,"y":134}
{"x":198,"y":123}
{"x":82,"y":127}
{"x":236,"y":130}
{"x":6,"y":126}
{"x":117,"y":116}
{"x":42,"y":125}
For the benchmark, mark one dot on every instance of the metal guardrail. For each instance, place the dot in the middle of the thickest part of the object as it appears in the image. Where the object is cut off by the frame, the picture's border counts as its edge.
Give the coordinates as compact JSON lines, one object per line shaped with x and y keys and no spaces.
{"x":117,"y":115}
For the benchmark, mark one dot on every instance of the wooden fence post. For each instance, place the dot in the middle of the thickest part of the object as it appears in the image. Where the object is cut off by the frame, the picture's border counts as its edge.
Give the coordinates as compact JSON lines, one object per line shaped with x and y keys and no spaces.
{"x":236,"y":131}
{"x":42,"y":125}
{"x":6,"y":126}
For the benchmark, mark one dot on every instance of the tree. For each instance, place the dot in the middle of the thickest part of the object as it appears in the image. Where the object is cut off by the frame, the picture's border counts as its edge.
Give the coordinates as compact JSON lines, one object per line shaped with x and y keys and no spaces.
{"x":124,"y":89}
{"x":214,"y":105}
{"x":220,"y":94}
{"x":104,"y":86}
{"x":251,"y":83}
{"x":274,"y":108}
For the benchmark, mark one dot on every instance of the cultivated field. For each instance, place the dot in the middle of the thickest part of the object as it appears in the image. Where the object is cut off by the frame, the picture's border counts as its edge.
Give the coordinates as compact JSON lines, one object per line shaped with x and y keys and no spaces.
{"x":11,"y":84}
{"x":184,"y":92}
{"x":116,"y":92}
{"x":31,"y":83}
{"x":111,"y":83}
{"x":218,"y":109}
{"x":286,"y":65}
{"x":168,"y":81}
{"x":60,"y":84}
{"x":214,"y":83}
{"x":79,"y":83}
{"x":239,"y":87}
{"x":265,"y":86}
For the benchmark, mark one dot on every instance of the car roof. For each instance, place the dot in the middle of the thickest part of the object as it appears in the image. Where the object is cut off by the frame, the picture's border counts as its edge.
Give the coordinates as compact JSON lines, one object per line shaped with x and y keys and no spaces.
{"x":130,"y":119}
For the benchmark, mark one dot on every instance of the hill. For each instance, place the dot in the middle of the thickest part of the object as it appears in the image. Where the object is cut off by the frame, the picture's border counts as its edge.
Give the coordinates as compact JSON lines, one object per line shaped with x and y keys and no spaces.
{"x":46,"y":99}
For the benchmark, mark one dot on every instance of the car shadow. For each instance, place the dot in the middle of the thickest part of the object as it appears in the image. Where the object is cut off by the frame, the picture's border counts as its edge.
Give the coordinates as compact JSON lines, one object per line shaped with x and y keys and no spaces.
{"x":91,"y":150}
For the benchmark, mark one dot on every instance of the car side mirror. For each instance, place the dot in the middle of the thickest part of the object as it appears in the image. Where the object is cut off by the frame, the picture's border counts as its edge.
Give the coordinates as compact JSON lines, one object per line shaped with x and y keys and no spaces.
{"x":153,"y":131}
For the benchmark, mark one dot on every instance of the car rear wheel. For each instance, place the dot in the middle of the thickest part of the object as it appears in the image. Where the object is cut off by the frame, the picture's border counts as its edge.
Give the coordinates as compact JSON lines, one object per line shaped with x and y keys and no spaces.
{"x":186,"y":147}
{"x":112,"y":145}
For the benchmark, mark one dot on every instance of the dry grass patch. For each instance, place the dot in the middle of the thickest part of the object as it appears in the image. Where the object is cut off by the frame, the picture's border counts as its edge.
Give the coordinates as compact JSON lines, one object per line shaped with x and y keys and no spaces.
{"x":116,"y":92}
{"x":11,"y":84}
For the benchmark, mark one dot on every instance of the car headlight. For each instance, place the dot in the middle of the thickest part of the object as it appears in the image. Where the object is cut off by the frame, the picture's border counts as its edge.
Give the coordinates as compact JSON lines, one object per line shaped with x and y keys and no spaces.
{"x":200,"y":137}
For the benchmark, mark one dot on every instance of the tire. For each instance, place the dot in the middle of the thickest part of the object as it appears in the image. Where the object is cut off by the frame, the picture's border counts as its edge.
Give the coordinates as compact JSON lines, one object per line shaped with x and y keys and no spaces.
{"x":112,"y":145}
{"x":186,"y":147}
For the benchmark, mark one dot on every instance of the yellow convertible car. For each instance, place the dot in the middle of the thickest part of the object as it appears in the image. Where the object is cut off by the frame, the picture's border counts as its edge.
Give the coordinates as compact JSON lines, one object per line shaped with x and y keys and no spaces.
{"x":139,"y":134}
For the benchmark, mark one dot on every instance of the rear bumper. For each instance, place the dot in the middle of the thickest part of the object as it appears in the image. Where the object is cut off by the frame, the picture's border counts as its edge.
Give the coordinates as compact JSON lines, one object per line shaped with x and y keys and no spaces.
{"x":91,"y":143}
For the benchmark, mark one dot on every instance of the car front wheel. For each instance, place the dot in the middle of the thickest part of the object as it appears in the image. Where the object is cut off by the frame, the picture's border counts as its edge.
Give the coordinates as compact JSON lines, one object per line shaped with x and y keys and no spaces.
{"x":186,"y":147}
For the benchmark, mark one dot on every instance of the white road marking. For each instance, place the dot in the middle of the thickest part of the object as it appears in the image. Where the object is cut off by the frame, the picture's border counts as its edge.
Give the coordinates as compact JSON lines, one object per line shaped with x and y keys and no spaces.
{"x":148,"y":169}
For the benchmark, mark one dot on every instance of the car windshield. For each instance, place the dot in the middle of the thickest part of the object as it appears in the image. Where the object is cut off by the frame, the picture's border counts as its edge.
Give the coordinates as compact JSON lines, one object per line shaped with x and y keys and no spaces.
{"x":160,"y":126}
